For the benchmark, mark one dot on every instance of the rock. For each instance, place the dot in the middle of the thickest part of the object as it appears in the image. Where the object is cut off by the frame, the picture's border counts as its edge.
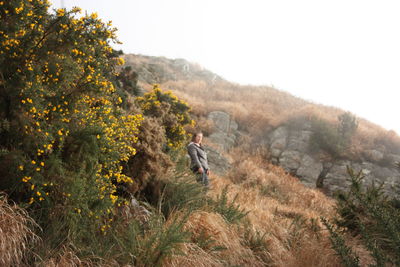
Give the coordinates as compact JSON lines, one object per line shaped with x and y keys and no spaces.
{"x":299,"y":140}
{"x":374,"y":155}
{"x":289,"y":148}
{"x":290,"y":160}
{"x":226,"y":142}
{"x":309,"y":171}
{"x":217,"y":162}
{"x":226,"y":130}
{"x":337,"y":177}
{"x":393,"y":159}
{"x":280,"y":133}
{"x":223,"y":122}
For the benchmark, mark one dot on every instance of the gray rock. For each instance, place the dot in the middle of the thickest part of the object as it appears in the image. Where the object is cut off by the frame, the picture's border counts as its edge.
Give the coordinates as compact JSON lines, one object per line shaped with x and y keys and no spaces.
{"x":393,"y":159}
{"x":337,"y":177}
{"x":290,"y":160}
{"x":309,"y":170}
{"x":299,"y":140}
{"x":280,"y":133}
{"x":275,"y":153}
{"x":223,"y":121}
{"x":374,"y":155}
{"x":225,"y":141}
{"x":226,"y":130}
{"x":217,"y":162}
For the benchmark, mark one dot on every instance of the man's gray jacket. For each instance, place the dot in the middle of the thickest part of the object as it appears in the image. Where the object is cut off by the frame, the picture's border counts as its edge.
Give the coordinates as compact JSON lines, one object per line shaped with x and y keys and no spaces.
{"x":198,"y":157}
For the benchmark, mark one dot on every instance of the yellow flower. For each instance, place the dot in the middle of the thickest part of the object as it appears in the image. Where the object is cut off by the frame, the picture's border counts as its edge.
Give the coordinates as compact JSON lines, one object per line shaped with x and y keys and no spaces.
{"x":21,"y":167}
{"x":60,"y":12}
{"x":94,"y":15}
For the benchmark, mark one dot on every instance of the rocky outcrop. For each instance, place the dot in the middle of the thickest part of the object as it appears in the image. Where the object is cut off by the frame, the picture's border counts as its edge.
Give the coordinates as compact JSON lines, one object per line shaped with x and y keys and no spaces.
{"x":226,"y":130}
{"x":290,"y":148}
{"x":217,"y":162}
{"x":224,"y":136}
{"x":160,"y":69}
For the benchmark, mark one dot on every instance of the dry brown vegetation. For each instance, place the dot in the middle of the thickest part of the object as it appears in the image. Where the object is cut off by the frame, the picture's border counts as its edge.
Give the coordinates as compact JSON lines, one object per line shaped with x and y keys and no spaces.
{"x":16,"y":233}
{"x":257,"y":109}
{"x":281,"y":229}
{"x":282,"y":210}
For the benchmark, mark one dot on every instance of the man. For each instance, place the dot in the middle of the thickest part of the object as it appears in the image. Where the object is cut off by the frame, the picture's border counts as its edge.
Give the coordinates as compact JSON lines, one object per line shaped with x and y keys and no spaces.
{"x":198,"y":157}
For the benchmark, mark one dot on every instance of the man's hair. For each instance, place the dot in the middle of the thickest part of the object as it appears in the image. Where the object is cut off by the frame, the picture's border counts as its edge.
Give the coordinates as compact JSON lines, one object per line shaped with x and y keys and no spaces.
{"x":196,"y":134}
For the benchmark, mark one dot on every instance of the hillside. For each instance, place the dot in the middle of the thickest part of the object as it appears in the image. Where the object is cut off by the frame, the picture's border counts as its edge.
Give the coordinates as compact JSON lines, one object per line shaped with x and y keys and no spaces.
{"x":94,"y":170}
{"x":302,"y":137}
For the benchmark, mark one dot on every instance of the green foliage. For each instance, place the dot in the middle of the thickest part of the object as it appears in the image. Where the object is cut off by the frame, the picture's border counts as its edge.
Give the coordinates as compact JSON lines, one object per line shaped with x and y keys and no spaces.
{"x":206,"y":242}
{"x":231,"y":211}
{"x":258,"y":243}
{"x":172,"y":113}
{"x":162,"y":240}
{"x":64,"y":135}
{"x":347,"y":125}
{"x":369,"y":213}
{"x":325,"y":137}
{"x":273,"y":191}
{"x":344,"y":252}
{"x":182,"y":193}
{"x":333,"y":139}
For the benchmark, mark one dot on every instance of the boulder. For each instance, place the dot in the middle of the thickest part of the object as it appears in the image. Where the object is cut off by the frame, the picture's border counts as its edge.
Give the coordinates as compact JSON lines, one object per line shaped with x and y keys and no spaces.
{"x":337,"y":177}
{"x":393,"y":159}
{"x":226,"y":130}
{"x":299,"y":140}
{"x":290,"y":160}
{"x":217,"y":162}
{"x":309,"y":171}
{"x":374,"y":155}
{"x":223,"y":121}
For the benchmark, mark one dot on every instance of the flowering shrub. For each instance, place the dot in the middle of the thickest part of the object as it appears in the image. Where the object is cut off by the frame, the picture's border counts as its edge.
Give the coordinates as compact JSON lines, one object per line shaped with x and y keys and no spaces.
{"x":172,"y":112}
{"x":63,"y":132}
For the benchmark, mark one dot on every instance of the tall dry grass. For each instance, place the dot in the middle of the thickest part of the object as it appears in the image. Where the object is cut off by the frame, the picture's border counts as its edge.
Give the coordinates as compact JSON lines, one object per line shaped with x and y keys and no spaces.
{"x":16,"y":233}
{"x":288,"y":219}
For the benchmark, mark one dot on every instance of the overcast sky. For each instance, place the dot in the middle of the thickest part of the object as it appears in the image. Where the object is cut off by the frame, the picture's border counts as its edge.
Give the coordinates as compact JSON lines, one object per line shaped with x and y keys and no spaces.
{"x":343,"y":53}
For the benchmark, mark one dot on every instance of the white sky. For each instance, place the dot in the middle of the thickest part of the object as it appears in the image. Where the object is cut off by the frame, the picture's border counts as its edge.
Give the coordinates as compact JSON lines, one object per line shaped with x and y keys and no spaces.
{"x":343,"y":53}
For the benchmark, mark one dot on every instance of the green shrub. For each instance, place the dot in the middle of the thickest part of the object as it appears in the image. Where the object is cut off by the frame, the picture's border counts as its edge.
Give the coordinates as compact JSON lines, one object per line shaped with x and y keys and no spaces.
{"x":345,"y":252}
{"x":150,"y":245}
{"x":369,"y":213}
{"x":325,"y":137}
{"x":333,"y":139}
{"x":172,"y":113}
{"x":348,"y":125}
{"x":182,"y":192}
{"x":229,"y":210}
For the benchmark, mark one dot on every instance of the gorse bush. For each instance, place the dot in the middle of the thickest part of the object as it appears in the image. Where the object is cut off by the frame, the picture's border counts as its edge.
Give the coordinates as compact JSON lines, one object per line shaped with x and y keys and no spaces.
{"x":64,"y":135}
{"x":172,"y":113}
{"x":182,"y":193}
{"x":369,"y":213}
{"x":230,"y":210}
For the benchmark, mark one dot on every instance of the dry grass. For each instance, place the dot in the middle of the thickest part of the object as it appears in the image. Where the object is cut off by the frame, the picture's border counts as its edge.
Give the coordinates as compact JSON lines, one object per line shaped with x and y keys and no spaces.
{"x":16,"y":235}
{"x":288,"y":219}
{"x":258,"y":109}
